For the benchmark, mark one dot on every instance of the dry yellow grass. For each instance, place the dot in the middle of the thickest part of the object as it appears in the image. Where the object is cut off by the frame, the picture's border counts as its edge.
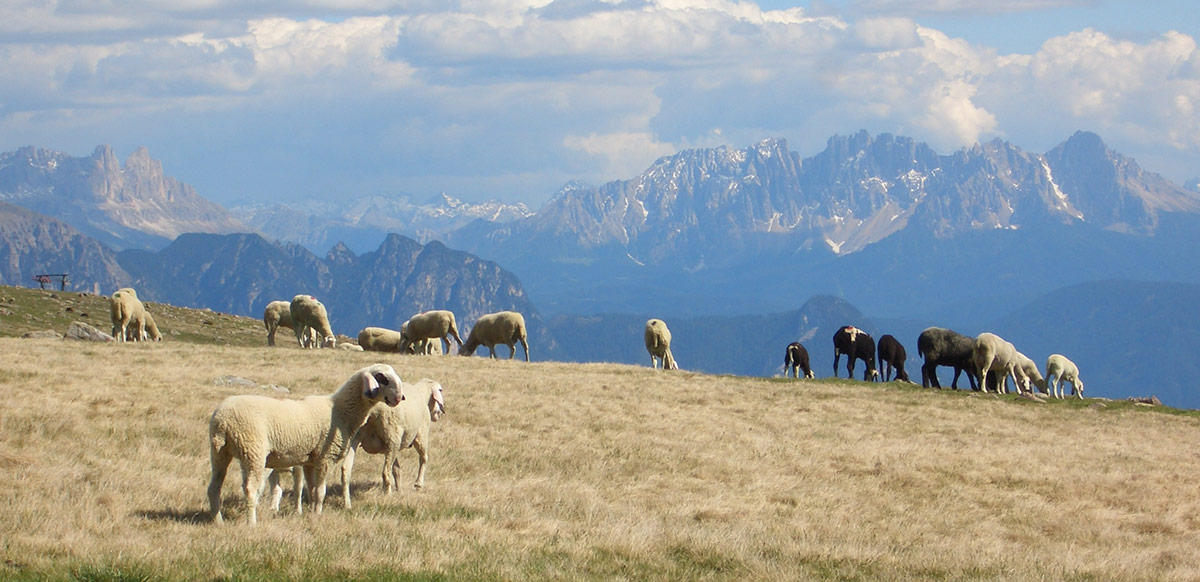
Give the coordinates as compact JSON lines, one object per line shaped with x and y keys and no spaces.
{"x":596,"y":471}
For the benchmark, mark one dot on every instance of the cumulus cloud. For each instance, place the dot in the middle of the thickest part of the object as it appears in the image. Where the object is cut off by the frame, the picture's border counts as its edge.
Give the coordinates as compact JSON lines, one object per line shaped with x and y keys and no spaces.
{"x":406,"y":94}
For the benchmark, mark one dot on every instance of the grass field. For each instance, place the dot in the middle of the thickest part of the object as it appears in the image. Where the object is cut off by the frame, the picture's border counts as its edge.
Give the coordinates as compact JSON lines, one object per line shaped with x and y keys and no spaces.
{"x":554,"y":471}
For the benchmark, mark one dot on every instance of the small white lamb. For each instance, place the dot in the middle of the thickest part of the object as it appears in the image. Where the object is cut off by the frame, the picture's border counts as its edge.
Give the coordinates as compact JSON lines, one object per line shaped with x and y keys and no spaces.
{"x":1060,"y":370}
{"x":314,"y":432}
{"x":391,"y":430}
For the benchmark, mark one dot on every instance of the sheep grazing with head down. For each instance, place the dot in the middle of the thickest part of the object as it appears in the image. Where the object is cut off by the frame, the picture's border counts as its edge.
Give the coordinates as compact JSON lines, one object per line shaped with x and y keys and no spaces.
{"x":437,"y":325}
{"x":505,"y":327}
{"x":127,"y":314}
{"x":309,"y":314}
{"x":795,"y":360}
{"x":942,"y":347}
{"x":380,"y":339}
{"x":150,"y":329}
{"x":1059,"y":371}
{"x":265,"y":433}
{"x":278,"y":314}
{"x":658,"y":343}
{"x":391,"y":430}
{"x":998,"y":357}
{"x":1028,"y":375}
{"x":891,"y":357}
{"x":857,"y":345}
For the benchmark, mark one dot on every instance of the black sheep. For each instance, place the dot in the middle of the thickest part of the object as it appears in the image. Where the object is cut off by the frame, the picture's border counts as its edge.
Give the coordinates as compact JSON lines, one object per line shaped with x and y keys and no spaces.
{"x":892,"y":356}
{"x":857,"y":345}
{"x":795,"y":360}
{"x":943,"y":347}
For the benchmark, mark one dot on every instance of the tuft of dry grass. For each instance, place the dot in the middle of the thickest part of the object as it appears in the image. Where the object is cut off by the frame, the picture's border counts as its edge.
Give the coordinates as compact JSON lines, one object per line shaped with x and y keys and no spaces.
{"x":591,"y":471}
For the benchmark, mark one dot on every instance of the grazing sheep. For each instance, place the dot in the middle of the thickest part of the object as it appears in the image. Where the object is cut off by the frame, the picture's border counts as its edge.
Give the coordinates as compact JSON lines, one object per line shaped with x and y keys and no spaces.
{"x":150,"y":332}
{"x":434,"y":325}
{"x":309,"y":314}
{"x":943,"y":347}
{"x":505,"y":327}
{"x":795,"y":359}
{"x":1060,"y":370}
{"x":857,"y":345}
{"x":391,"y":430}
{"x":658,"y":343}
{"x":379,"y":339}
{"x":127,"y":310}
{"x":994,"y":355}
{"x":1029,"y":376}
{"x":892,"y":356}
{"x":267,"y":433}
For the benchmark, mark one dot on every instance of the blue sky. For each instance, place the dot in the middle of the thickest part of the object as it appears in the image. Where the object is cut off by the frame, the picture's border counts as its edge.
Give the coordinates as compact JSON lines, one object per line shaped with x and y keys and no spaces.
{"x":509,"y":99}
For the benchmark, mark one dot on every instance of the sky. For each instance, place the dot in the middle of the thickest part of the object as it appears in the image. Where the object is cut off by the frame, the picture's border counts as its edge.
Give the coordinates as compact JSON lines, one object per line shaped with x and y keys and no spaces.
{"x":510,"y":99}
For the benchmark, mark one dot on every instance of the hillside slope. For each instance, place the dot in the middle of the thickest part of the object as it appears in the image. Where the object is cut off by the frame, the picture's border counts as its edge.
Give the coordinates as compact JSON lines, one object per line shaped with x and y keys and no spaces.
{"x":552,"y":471}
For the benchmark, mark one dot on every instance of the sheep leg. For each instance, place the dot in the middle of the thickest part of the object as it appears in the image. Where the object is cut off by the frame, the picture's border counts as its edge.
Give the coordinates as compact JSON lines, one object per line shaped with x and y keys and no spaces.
{"x":391,"y":472}
{"x":422,"y":459}
{"x":526,"y":347}
{"x":491,"y":351}
{"x":276,"y":489}
{"x":318,"y":484}
{"x":347,"y":468}
{"x":220,"y":465}
{"x":252,"y":483}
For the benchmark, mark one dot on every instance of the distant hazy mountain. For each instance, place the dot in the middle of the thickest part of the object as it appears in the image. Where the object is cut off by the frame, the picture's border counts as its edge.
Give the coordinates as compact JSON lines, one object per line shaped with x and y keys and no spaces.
{"x":133,"y":205}
{"x":33,"y":244}
{"x":362,"y":223}
{"x":241,"y":273}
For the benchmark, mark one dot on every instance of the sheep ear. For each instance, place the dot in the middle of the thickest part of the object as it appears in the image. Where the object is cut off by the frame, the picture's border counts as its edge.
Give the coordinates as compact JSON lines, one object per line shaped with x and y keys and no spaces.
{"x":370,"y":386}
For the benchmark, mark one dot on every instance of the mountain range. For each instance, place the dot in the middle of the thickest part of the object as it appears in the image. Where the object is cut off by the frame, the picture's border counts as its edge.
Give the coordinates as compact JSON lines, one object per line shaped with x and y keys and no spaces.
{"x":742,"y":250}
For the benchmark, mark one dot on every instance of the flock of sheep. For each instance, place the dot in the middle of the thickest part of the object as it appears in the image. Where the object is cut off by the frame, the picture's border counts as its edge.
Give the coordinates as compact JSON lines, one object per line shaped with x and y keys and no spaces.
{"x":376,"y":410}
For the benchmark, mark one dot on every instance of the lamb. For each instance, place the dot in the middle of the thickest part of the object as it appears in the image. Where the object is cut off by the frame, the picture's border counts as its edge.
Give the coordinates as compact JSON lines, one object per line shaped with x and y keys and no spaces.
{"x":658,"y":343}
{"x":795,"y":359}
{"x":150,"y":333}
{"x":505,"y":327}
{"x":391,"y":430}
{"x":1060,"y":370}
{"x":125,"y":310}
{"x":995,"y":355}
{"x":892,"y":356}
{"x":379,"y":339}
{"x":309,"y":314}
{"x":857,"y":345}
{"x":943,"y":347}
{"x":267,"y":433}
{"x":435,"y":325}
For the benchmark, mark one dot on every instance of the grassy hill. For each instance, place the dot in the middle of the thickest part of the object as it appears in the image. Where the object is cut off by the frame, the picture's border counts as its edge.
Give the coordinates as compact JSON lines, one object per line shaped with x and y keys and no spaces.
{"x":582,"y":471}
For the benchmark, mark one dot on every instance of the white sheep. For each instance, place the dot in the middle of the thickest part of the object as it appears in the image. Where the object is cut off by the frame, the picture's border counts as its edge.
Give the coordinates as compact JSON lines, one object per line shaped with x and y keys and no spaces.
{"x":391,"y":430}
{"x":309,"y":314}
{"x":150,"y":329}
{"x":993,"y":354}
{"x":127,"y":310}
{"x":1060,"y":370}
{"x":315,"y":432}
{"x":504,"y":327}
{"x":658,"y":343}
{"x":349,"y":347}
{"x":379,"y":339}
{"x":1028,"y":374}
{"x":433,"y":325}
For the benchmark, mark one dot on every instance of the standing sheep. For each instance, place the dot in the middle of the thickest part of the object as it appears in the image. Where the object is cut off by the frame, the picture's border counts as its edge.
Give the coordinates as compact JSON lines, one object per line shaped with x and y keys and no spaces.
{"x":942,"y":347}
{"x":150,"y":333}
{"x":379,"y":339}
{"x":996,"y":356}
{"x":434,"y":325}
{"x":1029,"y":376}
{"x":1060,"y":370}
{"x":126,"y":310}
{"x":309,"y":314}
{"x":795,"y":359}
{"x":857,"y":345}
{"x":892,"y":356}
{"x":505,"y":327}
{"x":276,"y":315}
{"x":391,"y":430}
{"x":658,"y":343}
{"x":268,"y":433}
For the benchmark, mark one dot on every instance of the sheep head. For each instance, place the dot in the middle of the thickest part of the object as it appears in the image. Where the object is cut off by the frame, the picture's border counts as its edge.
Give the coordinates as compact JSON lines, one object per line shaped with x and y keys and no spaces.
{"x":380,"y":382}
